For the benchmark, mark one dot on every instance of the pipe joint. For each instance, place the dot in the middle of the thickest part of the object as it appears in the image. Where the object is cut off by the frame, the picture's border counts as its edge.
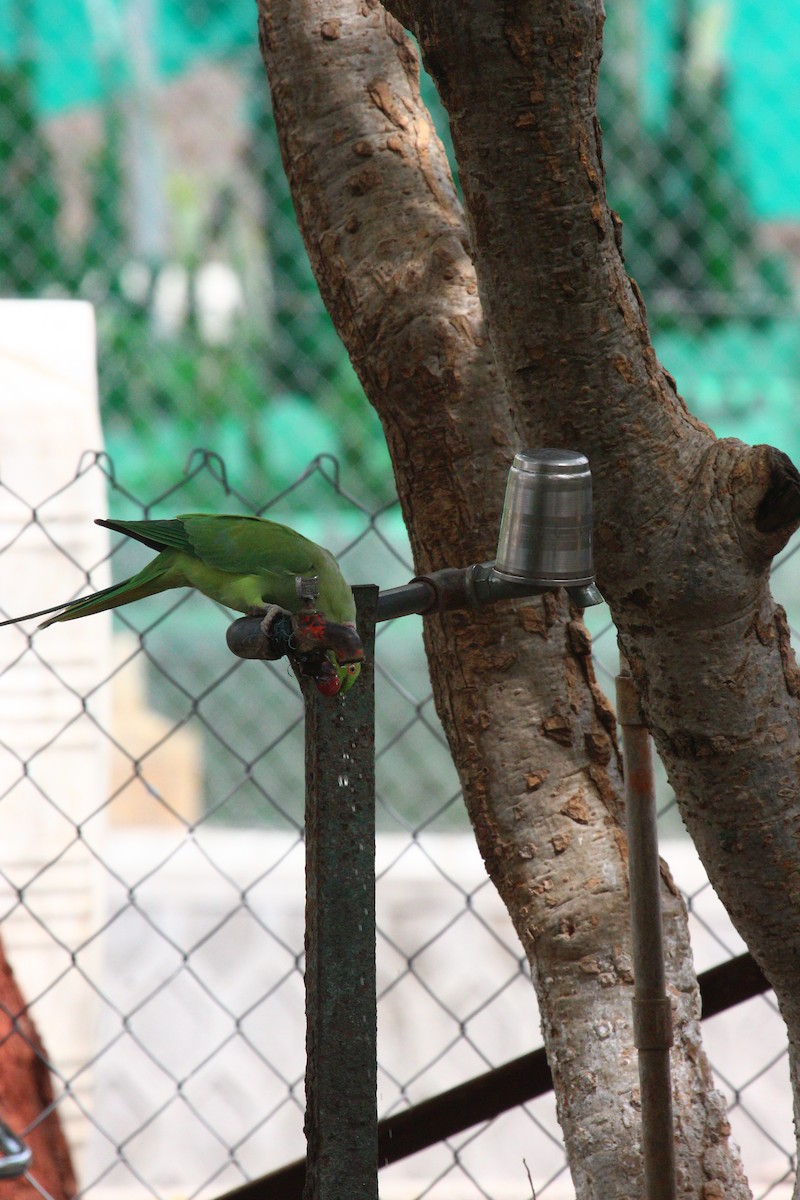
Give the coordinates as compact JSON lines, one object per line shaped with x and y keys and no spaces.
{"x":652,"y":1024}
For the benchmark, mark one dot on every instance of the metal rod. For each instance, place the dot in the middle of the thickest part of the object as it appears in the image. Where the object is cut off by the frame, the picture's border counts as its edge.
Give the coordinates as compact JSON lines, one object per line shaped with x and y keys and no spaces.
{"x":341,"y":1072}
{"x":414,"y":597}
{"x":445,"y":590}
{"x":468,"y":587}
{"x":652,"y":1012}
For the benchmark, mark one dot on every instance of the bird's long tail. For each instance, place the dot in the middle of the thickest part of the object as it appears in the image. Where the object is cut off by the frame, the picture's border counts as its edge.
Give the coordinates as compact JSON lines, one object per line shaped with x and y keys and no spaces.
{"x":153,"y":578}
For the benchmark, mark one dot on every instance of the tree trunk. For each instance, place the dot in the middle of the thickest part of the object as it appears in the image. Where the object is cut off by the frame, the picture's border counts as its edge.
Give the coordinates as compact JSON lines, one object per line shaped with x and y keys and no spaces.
{"x":687,"y":525}
{"x":26,"y":1100}
{"x":532,"y":736}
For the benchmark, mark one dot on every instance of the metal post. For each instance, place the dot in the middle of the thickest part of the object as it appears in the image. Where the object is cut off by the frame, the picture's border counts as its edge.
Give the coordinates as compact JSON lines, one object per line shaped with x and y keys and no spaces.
{"x":652,"y":1013}
{"x":545,"y":542}
{"x":341,"y":1071}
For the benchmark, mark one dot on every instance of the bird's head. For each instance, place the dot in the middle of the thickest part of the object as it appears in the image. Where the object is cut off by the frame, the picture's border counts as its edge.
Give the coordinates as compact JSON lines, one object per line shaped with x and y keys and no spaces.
{"x":333,"y":652}
{"x":334,"y":678}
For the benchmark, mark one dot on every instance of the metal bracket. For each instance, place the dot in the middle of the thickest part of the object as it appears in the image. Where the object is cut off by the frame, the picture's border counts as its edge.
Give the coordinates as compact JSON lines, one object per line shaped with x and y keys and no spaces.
{"x":652,"y":1024}
{"x":15,"y":1156}
{"x":470,"y":587}
{"x":307,"y":589}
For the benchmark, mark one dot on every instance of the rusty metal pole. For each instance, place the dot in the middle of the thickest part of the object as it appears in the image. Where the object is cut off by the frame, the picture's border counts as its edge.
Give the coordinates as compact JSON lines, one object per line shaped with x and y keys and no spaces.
{"x":341,"y":1072}
{"x":652,"y":1012}
{"x":545,"y":542}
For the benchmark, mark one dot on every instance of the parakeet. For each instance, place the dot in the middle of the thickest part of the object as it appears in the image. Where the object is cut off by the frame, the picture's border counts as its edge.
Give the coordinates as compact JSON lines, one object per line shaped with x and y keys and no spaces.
{"x":245,"y":563}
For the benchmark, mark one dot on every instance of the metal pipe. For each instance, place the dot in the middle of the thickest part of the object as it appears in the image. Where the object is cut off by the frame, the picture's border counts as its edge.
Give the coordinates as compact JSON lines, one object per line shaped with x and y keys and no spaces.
{"x":454,"y":588}
{"x":652,"y":1011}
{"x":446,"y":590}
{"x":418,"y":596}
{"x":341,"y":1020}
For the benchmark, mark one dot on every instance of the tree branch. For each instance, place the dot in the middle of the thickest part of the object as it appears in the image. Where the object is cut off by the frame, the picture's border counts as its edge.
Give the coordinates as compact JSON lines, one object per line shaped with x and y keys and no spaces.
{"x":686,"y":525}
{"x":779,"y":510}
{"x":531,"y":734}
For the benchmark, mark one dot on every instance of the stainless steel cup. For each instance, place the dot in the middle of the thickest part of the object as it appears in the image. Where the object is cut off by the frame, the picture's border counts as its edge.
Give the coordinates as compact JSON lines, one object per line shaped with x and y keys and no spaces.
{"x":546,"y":531}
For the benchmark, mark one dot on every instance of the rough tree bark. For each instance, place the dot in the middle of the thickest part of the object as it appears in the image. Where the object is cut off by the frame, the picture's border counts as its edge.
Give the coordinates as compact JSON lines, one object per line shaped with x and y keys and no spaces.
{"x":687,"y":524}
{"x":532,"y":736}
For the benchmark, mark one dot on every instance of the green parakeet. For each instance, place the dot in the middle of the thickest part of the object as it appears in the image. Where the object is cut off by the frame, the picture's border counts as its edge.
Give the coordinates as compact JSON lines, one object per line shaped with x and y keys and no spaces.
{"x":245,"y":563}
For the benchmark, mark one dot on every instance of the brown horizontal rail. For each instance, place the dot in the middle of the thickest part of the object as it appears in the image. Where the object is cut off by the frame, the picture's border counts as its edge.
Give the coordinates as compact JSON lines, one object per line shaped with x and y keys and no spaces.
{"x":493,"y":1093}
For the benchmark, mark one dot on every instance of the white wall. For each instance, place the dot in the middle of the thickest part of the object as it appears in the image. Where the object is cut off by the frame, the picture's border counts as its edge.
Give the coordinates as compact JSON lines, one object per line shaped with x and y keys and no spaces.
{"x":48,"y":896}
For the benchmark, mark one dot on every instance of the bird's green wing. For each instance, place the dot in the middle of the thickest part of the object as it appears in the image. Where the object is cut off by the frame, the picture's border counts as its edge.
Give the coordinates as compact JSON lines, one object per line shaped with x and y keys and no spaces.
{"x":240,"y":544}
{"x":244,"y":546}
{"x":275,"y":554}
{"x":242,"y":562}
{"x":158,"y":535}
{"x":250,"y":545}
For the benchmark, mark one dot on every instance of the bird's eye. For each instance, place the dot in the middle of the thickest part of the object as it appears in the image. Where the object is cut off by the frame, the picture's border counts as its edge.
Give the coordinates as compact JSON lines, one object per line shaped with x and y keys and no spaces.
{"x":352,"y":668}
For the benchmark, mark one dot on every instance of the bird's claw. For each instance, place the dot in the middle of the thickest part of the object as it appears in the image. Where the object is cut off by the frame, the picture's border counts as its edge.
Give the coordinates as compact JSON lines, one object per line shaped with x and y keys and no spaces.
{"x":276,"y":626}
{"x":329,"y":653}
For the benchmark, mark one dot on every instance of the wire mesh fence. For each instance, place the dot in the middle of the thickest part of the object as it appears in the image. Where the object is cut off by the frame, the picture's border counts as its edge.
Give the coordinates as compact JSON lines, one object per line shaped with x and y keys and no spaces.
{"x":152,"y":883}
{"x":152,"y":899}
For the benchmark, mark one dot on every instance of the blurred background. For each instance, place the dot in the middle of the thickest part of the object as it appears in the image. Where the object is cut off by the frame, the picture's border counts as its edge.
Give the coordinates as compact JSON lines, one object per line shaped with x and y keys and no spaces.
{"x":139,"y":171}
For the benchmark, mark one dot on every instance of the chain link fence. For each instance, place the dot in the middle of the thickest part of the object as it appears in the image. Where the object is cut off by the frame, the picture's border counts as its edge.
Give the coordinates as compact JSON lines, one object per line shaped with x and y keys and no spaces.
{"x":151,"y":900}
{"x":156,"y":918}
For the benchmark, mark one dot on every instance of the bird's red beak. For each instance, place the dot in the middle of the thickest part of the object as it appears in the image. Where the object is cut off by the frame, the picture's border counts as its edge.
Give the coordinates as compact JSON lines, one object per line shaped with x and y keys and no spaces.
{"x":329,"y":685}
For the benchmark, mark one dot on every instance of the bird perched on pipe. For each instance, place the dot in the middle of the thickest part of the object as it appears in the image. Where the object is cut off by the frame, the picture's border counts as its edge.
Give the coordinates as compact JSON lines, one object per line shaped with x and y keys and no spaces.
{"x":255,"y":566}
